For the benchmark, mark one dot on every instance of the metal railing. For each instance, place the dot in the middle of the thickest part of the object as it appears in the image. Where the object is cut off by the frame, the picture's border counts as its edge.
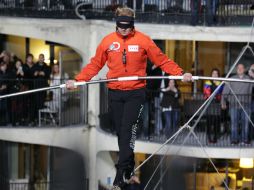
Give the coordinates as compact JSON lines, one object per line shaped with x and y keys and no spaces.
{"x":198,"y":12}
{"x":57,"y":107}
{"x":214,"y":128}
{"x":23,"y":184}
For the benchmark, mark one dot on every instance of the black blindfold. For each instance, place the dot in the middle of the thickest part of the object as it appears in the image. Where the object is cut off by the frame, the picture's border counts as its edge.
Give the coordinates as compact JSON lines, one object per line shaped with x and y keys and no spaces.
{"x":125,"y":22}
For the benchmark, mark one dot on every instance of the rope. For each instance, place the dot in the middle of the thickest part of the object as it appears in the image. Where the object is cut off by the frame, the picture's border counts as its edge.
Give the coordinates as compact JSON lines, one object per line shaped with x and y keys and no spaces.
{"x":160,"y":163}
{"x":156,"y":151}
{"x":207,"y":155}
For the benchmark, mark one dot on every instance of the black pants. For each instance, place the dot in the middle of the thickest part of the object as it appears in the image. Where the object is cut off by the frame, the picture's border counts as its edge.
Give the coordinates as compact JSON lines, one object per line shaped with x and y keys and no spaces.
{"x":126,"y":108}
{"x":213,"y":125}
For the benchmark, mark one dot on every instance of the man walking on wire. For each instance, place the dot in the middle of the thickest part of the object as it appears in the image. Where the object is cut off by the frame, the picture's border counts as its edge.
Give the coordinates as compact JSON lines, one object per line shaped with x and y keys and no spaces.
{"x":126,"y":51}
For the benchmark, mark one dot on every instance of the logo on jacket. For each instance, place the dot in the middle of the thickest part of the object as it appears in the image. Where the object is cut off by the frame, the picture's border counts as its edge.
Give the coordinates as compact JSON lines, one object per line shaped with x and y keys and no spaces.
{"x":114,"y":46}
{"x":133,"y":48}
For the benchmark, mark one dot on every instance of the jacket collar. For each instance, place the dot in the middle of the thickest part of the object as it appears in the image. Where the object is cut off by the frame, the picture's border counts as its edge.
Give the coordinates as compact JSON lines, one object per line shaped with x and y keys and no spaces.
{"x":128,"y":36}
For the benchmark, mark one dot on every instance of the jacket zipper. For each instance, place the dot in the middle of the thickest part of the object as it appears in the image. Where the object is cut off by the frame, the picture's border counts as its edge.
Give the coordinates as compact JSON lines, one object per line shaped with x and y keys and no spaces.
{"x":124,"y":58}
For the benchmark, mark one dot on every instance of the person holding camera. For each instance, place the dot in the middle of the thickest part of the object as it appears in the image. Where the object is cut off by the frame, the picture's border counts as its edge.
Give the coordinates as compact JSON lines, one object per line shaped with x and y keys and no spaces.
{"x":18,"y":104}
{"x":171,"y":107}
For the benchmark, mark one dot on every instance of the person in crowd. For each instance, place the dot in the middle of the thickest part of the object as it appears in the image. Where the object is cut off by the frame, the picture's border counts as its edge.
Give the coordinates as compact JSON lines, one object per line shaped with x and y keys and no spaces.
{"x":152,"y":112}
{"x":153,"y":100}
{"x":56,"y":79}
{"x":126,"y":51}
{"x":18,"y":113}
{"x":196,"y":8}
{"x":171,"y":107}
{"x":41,"y":77}
{"x":213,"y":112}
{"x":212,"y":6}
{"x":29,"y":71}
{"x":5,"y":76}
{"x":237,"y":115}
{"x":5,"y":57}
{"x":251,"y":75}
{"x":18,"y":69}
{"x":14,"y":58}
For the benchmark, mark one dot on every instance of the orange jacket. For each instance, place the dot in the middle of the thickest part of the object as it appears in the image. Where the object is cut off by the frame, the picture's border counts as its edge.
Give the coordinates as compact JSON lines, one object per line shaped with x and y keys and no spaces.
{"x":138,"y":47}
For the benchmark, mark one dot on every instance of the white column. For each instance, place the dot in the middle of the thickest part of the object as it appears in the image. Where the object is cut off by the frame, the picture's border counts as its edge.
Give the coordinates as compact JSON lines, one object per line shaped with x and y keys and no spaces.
{"x":14,"y":158}
{"x":93,"y":90}
{"x":91,"y":161}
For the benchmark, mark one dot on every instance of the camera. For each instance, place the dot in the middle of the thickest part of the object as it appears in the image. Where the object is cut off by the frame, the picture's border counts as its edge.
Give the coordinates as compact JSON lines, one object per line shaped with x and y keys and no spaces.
{"x":20,"y":68}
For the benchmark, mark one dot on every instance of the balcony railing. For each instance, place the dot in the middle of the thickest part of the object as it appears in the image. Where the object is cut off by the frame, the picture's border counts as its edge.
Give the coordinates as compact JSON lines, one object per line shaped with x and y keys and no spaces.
{"x":24,"y":184}
{"x":224,"y":13}
{"x":57,"y":107}
{"x":213,"y":129}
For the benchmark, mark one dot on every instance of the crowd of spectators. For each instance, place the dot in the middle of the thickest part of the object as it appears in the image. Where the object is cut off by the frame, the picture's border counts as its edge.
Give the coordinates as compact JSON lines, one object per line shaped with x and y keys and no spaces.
{"x":230,"y":110}
{"x":18,"y":76}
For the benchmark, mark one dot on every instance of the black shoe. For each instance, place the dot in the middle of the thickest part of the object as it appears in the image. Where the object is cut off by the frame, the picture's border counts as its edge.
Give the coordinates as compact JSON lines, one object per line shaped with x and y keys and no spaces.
{"x":121,"y":179}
